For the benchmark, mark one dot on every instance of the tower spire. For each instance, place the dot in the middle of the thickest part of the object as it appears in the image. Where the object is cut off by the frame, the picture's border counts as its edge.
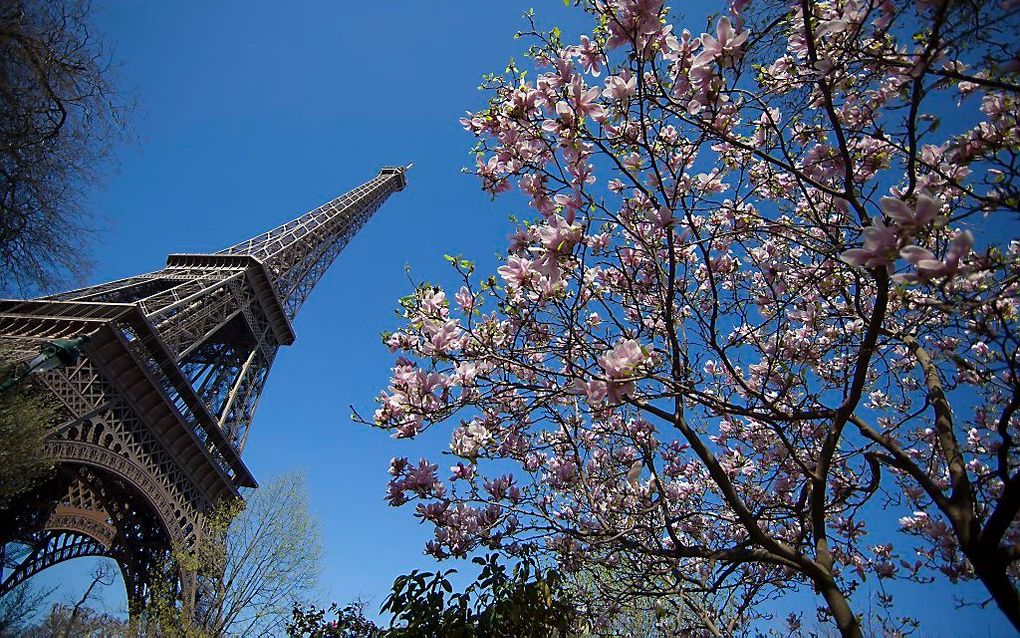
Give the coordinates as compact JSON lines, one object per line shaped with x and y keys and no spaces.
{"x":297,"y":253}
{"x":157,"y":411}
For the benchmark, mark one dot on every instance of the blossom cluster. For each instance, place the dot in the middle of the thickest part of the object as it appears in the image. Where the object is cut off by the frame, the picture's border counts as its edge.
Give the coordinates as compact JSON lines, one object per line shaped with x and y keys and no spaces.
{"x":770,"y":274}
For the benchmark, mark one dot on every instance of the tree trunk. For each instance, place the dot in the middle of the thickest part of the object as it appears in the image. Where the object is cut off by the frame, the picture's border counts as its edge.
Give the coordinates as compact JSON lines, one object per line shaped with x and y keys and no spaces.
{"x":845,"y":618}
{"x":993,"y":575}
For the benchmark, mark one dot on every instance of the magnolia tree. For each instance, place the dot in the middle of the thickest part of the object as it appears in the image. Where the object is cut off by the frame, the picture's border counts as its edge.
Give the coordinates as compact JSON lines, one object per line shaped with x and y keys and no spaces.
{"x":761,"y":328}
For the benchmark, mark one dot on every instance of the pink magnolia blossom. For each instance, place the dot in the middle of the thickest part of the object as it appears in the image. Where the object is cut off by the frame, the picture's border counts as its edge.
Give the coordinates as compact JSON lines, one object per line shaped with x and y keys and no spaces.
{"x":516,"y":271}
{"x":620,"y":87}
{"x":465,"y":299}
{"x":620,"y":364}
{"x":469,"y":440}
{"x":925,"y":212}
{"x":881,"y":245}
{"x":557,"y":238}
{"x":633,"y":21}
{"x":929,"y":266}
{"x":589,"y":55}
{"x":585,"y":100}
{"x":725,"y":48}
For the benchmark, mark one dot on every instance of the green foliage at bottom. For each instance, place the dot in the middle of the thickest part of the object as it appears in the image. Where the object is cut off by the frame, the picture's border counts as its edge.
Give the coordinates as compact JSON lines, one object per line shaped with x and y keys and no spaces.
{"x":523,"y":601}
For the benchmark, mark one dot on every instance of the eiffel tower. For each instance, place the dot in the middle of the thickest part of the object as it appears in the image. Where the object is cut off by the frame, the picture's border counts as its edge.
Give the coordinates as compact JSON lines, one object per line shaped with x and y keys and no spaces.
{"x":156,"y":410}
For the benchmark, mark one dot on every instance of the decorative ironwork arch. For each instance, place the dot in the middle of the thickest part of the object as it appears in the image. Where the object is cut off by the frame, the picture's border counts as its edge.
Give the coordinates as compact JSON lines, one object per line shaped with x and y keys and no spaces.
{"x":51,"y":548}
{"x":100,"y":514}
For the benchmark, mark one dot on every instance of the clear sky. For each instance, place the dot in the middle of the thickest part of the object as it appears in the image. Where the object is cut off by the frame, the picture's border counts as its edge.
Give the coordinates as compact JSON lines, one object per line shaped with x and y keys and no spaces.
{"x":251,"y":113}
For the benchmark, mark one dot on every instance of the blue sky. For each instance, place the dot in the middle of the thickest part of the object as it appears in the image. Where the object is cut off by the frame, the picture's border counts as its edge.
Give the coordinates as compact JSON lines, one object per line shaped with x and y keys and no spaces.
{"x":252,"y":113}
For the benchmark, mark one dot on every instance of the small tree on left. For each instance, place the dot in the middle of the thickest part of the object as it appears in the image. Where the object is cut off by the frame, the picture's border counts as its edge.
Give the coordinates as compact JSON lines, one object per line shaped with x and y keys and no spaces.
{"x":25,"y":412}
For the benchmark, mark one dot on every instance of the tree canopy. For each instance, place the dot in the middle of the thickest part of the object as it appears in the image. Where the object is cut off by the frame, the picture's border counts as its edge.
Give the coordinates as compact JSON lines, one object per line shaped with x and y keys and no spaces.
{"x":61,"y":113}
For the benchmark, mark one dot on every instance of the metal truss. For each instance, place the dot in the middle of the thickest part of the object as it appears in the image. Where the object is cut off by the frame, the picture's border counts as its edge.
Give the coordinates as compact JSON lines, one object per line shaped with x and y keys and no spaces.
{"x":155,"y":415}
{"x":191,"y":304}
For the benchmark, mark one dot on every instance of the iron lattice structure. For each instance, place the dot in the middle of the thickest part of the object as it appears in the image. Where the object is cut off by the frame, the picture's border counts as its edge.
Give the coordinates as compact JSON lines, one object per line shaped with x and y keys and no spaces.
{"x":157,"y":411}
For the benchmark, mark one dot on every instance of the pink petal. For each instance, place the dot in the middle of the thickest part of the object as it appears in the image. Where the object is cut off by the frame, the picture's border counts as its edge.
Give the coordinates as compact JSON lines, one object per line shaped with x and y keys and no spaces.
{"x":927,"y":209}
{"x":896,"y":209}
{"x":914,"y":254}
{"x":855,"y":256}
